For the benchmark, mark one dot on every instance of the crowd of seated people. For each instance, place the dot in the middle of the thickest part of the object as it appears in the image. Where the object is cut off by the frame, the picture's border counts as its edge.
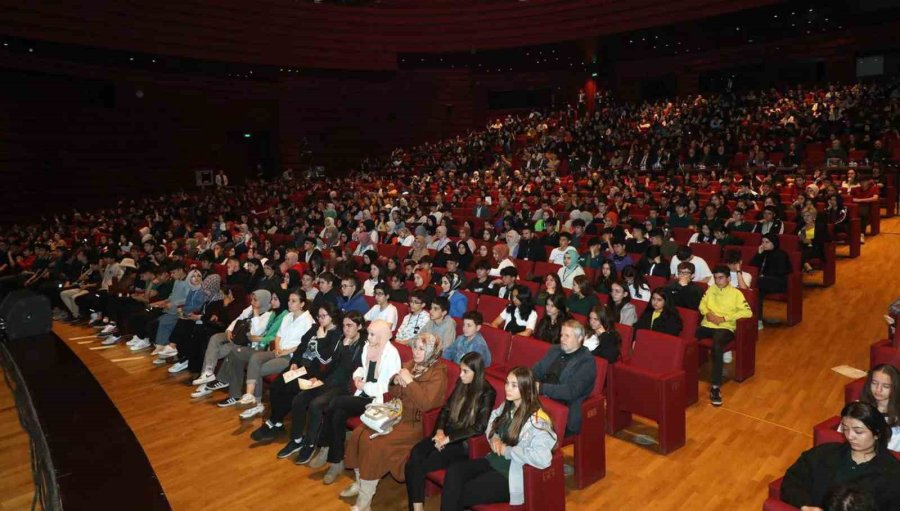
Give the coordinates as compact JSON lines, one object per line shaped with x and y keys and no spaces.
{"x":301,"y":284}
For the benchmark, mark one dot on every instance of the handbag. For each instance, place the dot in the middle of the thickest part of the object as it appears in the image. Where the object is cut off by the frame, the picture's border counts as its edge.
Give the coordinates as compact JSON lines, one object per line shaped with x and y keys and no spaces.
{"x":382,"y":417}
{"x":240,"y":334}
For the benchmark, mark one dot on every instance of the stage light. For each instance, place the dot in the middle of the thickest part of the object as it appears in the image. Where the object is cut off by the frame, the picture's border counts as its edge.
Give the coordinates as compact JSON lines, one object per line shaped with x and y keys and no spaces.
{"x":595,"y":74}
{"x":248,"y":135}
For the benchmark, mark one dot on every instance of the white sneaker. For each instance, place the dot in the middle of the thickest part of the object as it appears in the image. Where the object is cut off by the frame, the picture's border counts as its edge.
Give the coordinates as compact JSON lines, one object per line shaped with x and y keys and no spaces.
{"x":168,"y":352}
{"x":112,"y":339}
{"x":201,"y":391}
{"x":204,"y":379}
{"x":141,"y":344}
{"x":132,"y":341}
{"x":108,"y":328}
{"x":157,"y":349}
{"x":247,"y":399}
{"x":350,"y":491}
{"x":177,"y":367}
{"x":159,"y":361}
{"x":94,"y":316}
{"x":249,"y":413}
{"x":728,"y":357}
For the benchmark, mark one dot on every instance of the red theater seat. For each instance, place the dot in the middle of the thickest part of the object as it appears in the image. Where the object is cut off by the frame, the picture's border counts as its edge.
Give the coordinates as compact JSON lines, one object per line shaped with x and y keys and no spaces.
{"x":650,"y":384}
{"x":491,"y":306}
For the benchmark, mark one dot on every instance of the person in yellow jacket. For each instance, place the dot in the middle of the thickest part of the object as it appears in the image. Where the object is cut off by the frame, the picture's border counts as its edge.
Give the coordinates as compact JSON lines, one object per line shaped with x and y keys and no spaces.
{"x":721,"y":307}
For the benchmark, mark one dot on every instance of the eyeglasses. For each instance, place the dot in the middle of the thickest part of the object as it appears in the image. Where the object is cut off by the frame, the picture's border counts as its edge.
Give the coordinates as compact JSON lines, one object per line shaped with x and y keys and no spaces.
{"x":685,"y":272}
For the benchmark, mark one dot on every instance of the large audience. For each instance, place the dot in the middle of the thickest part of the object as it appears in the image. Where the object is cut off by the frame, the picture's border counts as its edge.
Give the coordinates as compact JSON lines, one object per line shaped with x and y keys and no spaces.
{"x":284,"y":285}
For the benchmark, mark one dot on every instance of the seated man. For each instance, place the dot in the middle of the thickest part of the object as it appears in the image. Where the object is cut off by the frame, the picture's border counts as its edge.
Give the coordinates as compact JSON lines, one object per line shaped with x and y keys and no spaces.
{"x":506,"y":284}
{"x":441,"y":324}
{"x":558,"y":253}
{"x":620,"y":258}
{"x":686,"y":255}
{"x":419,"y":316}
{"x":721,"y":307}
{"x":567,"y":373}
{"x":352,"y":298}
{"x":482,"y":281}
{"x":683,"y":290}
{"x":470,"y":340}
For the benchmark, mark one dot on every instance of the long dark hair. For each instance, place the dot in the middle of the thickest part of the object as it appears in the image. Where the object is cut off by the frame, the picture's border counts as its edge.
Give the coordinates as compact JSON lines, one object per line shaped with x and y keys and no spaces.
{"x":873,"y":421}
{"x":511,"y":420}
{"x":526,"y":302}
{"x":463,"y":402}
{"x":606,"y":281}
{"x":893,"y":407}
{"x":605,"y":318}
{"x":616,"y":309}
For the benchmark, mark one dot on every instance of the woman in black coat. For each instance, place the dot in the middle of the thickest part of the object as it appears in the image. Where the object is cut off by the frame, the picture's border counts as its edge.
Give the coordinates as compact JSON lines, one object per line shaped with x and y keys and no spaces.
{"x":863,"y":462}
{"x":465,"y":415}
{"x":774,"y":267}
{"x":661,"y":315}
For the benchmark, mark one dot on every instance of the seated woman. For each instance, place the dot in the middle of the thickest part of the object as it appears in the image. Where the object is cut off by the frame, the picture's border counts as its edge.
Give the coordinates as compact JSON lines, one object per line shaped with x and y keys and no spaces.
{"x":549,"y":326}
{"x":552,"y":287}
{"x":317,"y":355}
{"x":607,"y":276}
{"x":604,"y":340}
{"x":620,"y":305}
{"x":365,"y":243}
{"x":263,"y":363}
{"x":483,"y":254}
{"x":465,"y":415}
{"x":383,"y":309}
{"x":379,"y":362}
{"x":376,"y":276}
{"x":450,"y":284}
{"x":774,"y":266}
{"x":705,"y":234}
{"x":863,"y":461}
{"x":419,"y":248}
{"x":264,"y":315}
{"x":420,"y":385}
{"x":583,"y":298}
{"x":571,"y":269}
{"x":813,"y":235}
{"x":422,"y":282}
{"x":519,"y":433}
{"x":637,"y":286}
{"x":186,"y":301}
{"x":501,"y":256}
{"x":661,"y":315}
{"x":882,"y":390}
{"x":182,"y":335}
{"x":519,"y":317}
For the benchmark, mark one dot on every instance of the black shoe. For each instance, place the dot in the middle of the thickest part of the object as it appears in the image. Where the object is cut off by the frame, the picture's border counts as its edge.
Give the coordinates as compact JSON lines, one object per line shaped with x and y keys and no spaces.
{"x":227,"y":402}
{"x":217,"y":385}
{"x":715,"y":396}
{"x":306,"y":454}
{"x":291,"y":447}
{"x":266,"y":433}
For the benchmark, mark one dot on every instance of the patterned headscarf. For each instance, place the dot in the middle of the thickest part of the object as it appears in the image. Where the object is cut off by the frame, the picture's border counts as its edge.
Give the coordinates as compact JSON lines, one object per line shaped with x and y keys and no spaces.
{"x":433,"y":351}
{"x":454,"y":279}
{"x":212,"y":287}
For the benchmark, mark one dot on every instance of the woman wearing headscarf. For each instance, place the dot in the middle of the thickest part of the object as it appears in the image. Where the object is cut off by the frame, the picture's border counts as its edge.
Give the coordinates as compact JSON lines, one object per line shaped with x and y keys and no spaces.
{"x":419,"y":248}
{"x":329,"y":235}
{"x":183,"y":335}
{"x":512,"y":242}
{"x":265,"y":313}
{"x":501,"y":255}
{"x":570,"y":269}
{"x":774,"y":267}
{"x":483,"y":254}
{"x":421,"y":385}
{"x":216,"y":318}
{"x":365,"y":243}
{"x":464,"y":255}
{"x":190,"y":300}
{"x":450,"y":284}
{"x":422,"y":282}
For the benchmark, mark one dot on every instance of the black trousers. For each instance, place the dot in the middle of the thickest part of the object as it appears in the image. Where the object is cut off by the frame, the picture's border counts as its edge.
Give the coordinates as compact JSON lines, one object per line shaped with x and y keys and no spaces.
{"x":340,"y":408}
{"x":473,"y":482}
{"x":182,"y":336}
{"x":423,"y":459}
{"x":121,"y":310}
{"x":92,"y":302}
{"x":307,"y":407}
{"x":865,"y":213}
{"x":768,"y":285}
{"x":720,"y":337}
{"x":195,"y":350}
{"x":143,"y":323}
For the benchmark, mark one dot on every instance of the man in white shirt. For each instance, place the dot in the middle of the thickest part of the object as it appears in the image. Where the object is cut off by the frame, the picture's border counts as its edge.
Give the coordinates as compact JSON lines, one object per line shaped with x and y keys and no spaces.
{"x":701,"y":268}
{"x":558,"y":254}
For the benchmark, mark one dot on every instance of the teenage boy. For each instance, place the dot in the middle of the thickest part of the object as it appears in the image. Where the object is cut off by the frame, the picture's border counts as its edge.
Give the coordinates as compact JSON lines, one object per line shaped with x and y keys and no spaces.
{"x":470,"y":340}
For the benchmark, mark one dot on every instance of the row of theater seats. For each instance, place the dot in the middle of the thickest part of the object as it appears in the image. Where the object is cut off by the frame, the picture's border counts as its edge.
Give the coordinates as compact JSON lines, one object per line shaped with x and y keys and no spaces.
{"x":885,"y":351}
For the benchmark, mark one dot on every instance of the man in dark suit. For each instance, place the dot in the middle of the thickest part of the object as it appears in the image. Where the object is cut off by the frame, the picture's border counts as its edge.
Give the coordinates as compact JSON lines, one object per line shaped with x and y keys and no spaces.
{"x":567,"y":373}
{"x":481,"y":211}
{"x":530,"y":247}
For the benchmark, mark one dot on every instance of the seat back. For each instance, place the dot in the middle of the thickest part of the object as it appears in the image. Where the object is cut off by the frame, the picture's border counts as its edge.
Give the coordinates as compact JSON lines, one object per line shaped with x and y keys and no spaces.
{"x":491,"y":306}
{"x":657,"y":352}
{"x":708,"y":252}
{"x":526,"y":351}
{"x":524,"y":268}
{"x":405,"y":352}
{"x":542,"y":268}
{"x":498,"y":342}
{"x":472,"y":300}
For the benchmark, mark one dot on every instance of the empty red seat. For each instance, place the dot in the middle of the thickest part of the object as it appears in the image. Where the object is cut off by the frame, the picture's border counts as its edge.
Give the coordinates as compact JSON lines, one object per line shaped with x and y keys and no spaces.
{"x":651,"y":384}
{"x":523,"y":351}
{"x":491,"y":306}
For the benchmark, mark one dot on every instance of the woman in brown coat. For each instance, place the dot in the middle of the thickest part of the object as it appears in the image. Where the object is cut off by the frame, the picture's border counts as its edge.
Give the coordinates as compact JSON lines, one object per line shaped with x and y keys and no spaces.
{"x":421,"y":385}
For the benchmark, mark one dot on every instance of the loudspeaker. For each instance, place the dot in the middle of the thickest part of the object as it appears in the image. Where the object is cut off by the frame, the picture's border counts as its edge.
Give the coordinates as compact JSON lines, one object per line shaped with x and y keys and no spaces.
{"x":25,"y":313}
